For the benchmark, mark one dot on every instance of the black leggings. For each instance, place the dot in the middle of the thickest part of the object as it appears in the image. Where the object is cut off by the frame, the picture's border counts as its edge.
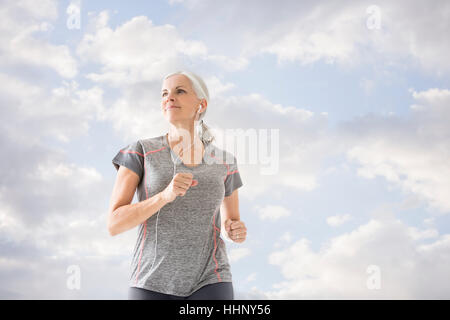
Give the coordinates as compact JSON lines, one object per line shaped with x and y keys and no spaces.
{"x":213,"y":291}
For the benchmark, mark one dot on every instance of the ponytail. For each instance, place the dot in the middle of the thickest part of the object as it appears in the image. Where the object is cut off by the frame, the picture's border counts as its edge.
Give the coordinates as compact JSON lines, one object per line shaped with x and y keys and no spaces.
{"x":205,"y":133}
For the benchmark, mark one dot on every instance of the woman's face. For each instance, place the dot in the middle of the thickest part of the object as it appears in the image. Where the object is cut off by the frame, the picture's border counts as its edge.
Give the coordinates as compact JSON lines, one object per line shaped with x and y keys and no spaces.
{"x":179,"y":103}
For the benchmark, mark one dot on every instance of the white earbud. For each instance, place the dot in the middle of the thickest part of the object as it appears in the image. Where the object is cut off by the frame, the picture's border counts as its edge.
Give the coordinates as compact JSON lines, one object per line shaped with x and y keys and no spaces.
{"x":199,"y":107}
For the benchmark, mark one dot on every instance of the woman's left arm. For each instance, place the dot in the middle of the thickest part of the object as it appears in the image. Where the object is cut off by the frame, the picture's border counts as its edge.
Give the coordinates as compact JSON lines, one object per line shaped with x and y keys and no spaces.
{"x":234,"y":228}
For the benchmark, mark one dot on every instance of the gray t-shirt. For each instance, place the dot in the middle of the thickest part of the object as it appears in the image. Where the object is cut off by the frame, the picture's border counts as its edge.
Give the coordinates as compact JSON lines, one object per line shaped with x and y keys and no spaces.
{"x":190,"y":252}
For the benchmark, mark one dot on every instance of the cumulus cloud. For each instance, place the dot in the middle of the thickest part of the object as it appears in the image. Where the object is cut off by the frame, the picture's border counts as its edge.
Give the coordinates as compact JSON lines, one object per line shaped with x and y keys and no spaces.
{"x":294,"y":153}
{"x":21,"y":44}
{"x":338,"y":220}
{"x":49,"y":218}
{"x":410,"y":152}
{"x":307,"y":32}
{"x":285,"y":238}
{"x":29,"y":272}
{"x":251,"y":277}
{"x":237,"y":254}
{"x":140,"y":51}
{"x":272,"y":212}
{"x":64,"y":112}
{"x":342,"y":268}
{"x":254,"y":293}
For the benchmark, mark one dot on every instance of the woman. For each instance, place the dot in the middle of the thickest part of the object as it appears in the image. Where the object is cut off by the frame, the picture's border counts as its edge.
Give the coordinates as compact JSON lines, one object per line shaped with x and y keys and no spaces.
{"x":187,"y":194}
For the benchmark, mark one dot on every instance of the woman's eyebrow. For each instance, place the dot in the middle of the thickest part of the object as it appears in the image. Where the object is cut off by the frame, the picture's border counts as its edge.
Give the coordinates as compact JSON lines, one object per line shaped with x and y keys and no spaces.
{"x":175,"y":88}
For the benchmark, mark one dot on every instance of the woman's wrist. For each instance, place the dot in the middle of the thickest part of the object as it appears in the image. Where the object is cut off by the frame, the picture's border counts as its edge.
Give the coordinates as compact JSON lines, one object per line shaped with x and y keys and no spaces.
{"x":163,"y":198}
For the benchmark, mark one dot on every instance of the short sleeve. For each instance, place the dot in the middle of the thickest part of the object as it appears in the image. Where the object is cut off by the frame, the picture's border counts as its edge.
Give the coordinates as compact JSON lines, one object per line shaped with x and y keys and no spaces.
{"x":233,"y":179}
{"x":132,"y":157}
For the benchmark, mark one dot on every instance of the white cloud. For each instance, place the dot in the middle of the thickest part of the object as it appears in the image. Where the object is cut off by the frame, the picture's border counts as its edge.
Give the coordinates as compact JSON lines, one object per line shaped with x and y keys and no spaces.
{"x":46,"y":229}
{"x":49,"y":217}
{"x":339,"y":269}
{"x":412,"y":152}
{"x":63,"y":112}
{"x":139,"y":51}
{"x":338,"y":220}
{"x":251,"y":277}
{"x":216,"y":86}
{"x":327,"y":32}
{"x":44,"y":276}
{"x":368,"y":85}
{"x":272,"y":212}
{"x":42,"y":191}
{"x":53,"y":222}
{"x":417,"y":234}
{"x":137,"y":114}
{"x":429,"y":222}
{"x":302,"y":145}
{"x":20,"y":21}
{"x":253,"y":294}
{"x":135,"y":51}
{"x":285,"y":238}
{"x":227,"y":63}
{"x":306,"y":32}
{"x":237,"y":254}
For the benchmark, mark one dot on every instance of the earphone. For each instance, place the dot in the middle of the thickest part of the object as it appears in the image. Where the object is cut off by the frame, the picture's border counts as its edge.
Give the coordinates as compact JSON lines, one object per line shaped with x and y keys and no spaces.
{"x":175,"y":161}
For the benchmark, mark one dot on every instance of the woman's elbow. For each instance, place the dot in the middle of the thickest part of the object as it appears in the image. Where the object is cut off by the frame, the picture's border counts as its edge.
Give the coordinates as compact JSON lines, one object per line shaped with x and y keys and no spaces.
{"x":112,"y":229}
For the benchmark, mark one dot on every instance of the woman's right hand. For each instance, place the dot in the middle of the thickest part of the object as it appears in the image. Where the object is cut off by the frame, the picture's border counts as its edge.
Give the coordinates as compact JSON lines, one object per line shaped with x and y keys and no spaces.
{"x":179,"y":185}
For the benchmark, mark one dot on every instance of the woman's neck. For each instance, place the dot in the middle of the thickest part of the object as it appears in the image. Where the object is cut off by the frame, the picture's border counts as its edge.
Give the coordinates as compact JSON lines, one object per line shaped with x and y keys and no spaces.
{"x":188,"y":147}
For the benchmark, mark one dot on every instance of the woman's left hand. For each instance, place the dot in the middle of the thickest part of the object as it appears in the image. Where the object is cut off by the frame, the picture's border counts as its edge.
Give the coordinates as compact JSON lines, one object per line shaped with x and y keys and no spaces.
{"x":236,"y":230}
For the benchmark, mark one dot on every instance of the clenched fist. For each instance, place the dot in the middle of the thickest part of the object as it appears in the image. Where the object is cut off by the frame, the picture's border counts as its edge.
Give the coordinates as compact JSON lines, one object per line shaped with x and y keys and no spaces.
{"x":236,"y":230}
{"x":179,"y":185}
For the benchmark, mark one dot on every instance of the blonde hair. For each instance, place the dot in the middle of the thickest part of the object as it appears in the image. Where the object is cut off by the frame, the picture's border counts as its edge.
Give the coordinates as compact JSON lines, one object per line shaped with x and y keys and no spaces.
{"x":201,"y":92}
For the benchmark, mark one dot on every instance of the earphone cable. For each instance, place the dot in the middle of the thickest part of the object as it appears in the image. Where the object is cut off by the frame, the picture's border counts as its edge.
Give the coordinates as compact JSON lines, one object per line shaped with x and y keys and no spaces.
{"x":157,"y":215}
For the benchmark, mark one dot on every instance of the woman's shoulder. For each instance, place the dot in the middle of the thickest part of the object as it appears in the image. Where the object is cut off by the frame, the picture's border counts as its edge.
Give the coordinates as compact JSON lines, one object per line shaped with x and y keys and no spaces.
{"x":152,"y":143}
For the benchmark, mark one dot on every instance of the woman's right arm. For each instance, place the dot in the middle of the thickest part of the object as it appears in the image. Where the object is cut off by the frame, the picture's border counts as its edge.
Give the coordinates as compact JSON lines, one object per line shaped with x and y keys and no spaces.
{"x":122,"y":214}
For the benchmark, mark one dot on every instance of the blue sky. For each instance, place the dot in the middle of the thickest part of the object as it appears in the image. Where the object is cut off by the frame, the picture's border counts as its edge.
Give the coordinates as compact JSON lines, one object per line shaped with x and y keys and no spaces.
{"x":377,"y":162}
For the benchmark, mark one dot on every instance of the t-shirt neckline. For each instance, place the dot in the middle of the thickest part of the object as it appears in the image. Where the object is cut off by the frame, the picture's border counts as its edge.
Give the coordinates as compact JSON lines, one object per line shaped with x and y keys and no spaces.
{"x":174,"y":155}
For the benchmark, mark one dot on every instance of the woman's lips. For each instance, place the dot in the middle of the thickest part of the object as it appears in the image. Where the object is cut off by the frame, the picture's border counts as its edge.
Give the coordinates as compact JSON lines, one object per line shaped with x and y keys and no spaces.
{"x":172,"y":107}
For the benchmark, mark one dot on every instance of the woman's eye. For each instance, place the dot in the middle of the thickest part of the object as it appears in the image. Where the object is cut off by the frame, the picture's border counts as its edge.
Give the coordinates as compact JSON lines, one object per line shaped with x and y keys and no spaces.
{"x":179,"y":90}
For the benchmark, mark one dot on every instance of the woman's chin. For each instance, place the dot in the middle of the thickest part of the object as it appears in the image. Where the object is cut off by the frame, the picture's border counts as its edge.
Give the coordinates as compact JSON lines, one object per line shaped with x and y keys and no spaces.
{"x":175,"y":120}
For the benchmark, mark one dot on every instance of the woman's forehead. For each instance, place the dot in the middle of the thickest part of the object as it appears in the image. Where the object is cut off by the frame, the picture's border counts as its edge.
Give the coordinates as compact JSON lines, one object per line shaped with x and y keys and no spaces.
{"x":175,"y":81}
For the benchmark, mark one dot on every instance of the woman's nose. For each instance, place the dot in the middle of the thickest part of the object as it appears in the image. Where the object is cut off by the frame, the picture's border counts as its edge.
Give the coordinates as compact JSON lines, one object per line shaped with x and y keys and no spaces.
{"x":168,"y":99}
